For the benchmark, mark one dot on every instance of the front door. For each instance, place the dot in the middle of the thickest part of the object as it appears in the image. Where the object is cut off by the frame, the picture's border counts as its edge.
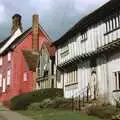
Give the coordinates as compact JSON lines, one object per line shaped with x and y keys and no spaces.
{"x":93,"y":85}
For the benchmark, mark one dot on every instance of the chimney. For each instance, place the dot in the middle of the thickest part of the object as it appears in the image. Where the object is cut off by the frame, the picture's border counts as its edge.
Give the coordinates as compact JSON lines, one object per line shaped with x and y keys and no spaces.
{"x":16,"y":23}
{"x":35,"y":32}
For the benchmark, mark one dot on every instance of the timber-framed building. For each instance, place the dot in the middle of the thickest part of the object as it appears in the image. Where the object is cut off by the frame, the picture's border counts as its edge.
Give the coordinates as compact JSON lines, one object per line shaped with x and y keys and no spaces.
{"x":88,"y":55}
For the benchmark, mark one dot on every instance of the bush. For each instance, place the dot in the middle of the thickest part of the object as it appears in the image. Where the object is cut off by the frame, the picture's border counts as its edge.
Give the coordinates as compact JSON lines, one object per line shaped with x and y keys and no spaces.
{"x":102,"y":111}
{"x":117,"y":102}
{"x":61,"y":103}
{"x":22,"y":101}
{"x":34,"y":106}
{"x":58,"y":102}
{"x":116,"y":117}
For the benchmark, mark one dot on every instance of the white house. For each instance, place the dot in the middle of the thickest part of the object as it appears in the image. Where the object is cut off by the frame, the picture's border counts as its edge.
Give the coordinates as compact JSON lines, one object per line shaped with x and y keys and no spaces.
{"x":89,"y":54}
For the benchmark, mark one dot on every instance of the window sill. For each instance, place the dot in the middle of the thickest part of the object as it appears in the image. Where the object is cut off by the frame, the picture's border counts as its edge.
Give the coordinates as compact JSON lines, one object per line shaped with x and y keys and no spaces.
{"x":70,"y":84}
{"x":111,"y":31}
{"x":116,"y":90}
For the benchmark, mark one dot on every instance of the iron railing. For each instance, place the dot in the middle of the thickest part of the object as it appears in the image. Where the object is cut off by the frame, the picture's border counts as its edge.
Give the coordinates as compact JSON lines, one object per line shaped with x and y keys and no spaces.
{"x":80,"y":98}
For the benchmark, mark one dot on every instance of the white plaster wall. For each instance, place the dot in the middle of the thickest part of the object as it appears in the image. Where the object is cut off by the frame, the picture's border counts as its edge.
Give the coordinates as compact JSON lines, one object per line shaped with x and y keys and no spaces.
{"x":60,"y":83}
{"x":106,"y":82}
{"x":83,"y":76}
{"x":113,"y":66}
{"x":102,"y":76}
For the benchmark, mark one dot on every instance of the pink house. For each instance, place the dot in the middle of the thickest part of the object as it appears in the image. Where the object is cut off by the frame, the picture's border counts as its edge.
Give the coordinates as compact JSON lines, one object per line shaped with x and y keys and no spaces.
{"x":19,"y":56}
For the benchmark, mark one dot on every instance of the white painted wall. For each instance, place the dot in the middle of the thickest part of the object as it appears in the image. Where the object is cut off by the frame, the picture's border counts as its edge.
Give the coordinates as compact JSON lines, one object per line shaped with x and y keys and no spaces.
{"x":96,"y":38}
{"x":83,"y":76}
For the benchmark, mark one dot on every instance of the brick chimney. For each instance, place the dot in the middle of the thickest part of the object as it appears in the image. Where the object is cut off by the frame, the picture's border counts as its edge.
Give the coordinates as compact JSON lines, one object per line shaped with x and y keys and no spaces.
{"x":16,"y":23}
{"x":35,"y":32}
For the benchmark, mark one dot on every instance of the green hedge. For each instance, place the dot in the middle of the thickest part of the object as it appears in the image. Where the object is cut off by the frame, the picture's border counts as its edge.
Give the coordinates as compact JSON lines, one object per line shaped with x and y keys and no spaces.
{"x":22,"y":101}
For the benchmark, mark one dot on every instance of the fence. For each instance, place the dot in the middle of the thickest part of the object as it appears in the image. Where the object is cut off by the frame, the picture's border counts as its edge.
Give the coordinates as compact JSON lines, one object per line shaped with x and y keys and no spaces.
{"x":82,"y":98}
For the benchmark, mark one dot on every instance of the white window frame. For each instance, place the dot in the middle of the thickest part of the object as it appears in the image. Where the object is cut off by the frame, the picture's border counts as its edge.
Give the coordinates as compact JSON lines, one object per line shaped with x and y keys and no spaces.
{"x":1,"y":60}
{"x":25,"y":78}
{"x":4,"y":85}
{"x":0,"y":80}
{"x":9,"y":56}
{"x":8,"y":77}
{"x":72,"y":77}
{"x":117,"y":80}
{"x":64,"y":51}
{"x":112,"y":23}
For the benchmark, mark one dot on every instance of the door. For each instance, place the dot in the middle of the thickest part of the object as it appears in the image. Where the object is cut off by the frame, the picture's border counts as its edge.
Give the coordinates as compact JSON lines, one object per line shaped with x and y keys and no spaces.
{"x":93,"y":85}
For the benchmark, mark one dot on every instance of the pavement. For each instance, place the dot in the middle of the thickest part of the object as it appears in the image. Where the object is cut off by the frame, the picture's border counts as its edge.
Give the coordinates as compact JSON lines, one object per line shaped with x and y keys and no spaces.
{"x":6,"y":114}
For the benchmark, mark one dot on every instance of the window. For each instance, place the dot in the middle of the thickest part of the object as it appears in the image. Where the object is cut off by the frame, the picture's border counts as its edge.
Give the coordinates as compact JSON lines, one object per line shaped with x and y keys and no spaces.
{"x":117,"y":80}
{"x":25,"y":76}
{"x":0,"y":80}
{"x":0,"y":60}
{"x":9,"y":56}
{"x":72,"y":77}
{"x":64,"y":51}
{"x":112,"y":23}
{"x":8,"y":77}
{"x":83,"y":36}
{"x":4,"y":85}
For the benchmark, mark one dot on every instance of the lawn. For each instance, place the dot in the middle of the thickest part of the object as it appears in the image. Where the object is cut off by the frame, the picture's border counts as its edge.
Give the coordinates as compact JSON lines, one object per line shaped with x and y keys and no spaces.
{"x":52,"y":114}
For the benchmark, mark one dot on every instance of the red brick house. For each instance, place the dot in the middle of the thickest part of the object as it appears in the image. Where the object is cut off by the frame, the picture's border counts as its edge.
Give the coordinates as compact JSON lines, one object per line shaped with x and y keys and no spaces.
{"x":19,"y":55}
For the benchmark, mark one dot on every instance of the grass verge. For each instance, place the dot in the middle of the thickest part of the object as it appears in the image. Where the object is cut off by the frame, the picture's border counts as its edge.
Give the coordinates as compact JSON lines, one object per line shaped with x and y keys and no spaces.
{"x":55,"y":114}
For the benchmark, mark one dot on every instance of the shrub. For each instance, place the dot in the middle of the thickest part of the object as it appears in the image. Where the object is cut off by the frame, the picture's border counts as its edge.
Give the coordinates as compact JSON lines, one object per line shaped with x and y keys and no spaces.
{"x":34,"y":106}
{"x":117,"y":102}
{"x":58,"y":102}
{"x":116,"y":117}
{"x":22,"y":101}
{"x":102,"y":111}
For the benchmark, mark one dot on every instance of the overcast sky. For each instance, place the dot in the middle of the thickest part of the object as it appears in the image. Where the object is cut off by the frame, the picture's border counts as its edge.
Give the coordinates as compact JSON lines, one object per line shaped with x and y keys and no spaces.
{"x":56,"y":16}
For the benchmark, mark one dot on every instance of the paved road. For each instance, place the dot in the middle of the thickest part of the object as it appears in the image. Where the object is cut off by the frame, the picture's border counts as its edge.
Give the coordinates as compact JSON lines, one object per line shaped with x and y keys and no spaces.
{"x":6,"y":114}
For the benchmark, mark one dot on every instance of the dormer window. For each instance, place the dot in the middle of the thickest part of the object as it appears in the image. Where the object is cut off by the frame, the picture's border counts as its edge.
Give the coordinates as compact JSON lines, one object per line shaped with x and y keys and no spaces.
{"x":83,"y":36}
{"x":9,"y":56}
{"x":1,"y":61}
{"x":64,"y":51}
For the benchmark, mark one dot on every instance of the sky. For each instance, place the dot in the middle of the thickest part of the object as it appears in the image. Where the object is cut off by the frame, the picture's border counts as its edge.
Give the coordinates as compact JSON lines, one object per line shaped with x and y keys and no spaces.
{"x":55,"y":16}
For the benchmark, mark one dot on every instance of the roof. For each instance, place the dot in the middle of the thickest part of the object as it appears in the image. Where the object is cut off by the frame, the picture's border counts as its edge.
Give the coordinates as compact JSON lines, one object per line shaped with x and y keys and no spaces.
{"x":20,"y":38}
{"x":2,"y":42}
{"x":91,"y":19}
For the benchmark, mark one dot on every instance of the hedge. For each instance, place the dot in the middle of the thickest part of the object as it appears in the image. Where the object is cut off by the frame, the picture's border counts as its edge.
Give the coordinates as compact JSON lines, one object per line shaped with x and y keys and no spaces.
{"x":22,"y":101}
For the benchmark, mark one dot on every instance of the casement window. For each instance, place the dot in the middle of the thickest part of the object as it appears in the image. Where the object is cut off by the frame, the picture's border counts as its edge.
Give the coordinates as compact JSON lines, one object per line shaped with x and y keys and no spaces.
{"x":9,"y":56}
{"x":84,"y":36}
{"x":4,"y":85}
{"x":0,"y":80}
{"x":25,"y":76}
{"x":112,"y":23}
{"x":117,"y":80}
{"x":8,"y":77}
{"x":71,"y":77}
{"x":1,"y":61}
{"x":64,"y":51}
